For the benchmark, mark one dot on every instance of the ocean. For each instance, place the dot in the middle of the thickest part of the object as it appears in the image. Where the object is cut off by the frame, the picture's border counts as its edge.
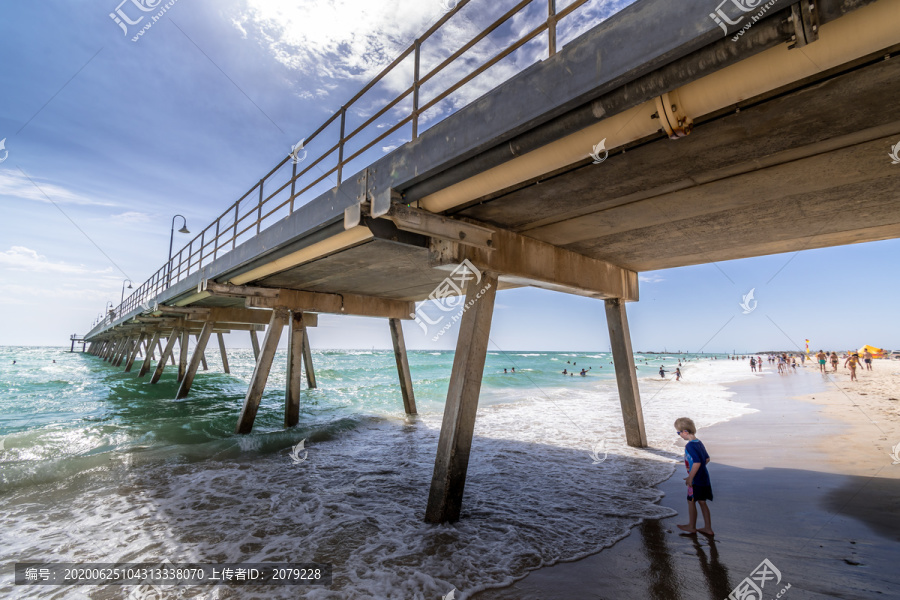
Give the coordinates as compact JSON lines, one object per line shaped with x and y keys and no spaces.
{"x":99,"y":466}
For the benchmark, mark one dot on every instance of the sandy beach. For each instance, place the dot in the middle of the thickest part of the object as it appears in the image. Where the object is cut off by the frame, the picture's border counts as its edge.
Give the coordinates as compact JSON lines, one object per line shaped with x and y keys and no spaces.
{"x":806,"y":483}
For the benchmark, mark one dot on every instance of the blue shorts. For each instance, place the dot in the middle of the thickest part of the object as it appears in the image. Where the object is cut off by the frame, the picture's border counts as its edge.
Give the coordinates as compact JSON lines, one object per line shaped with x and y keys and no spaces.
{"x":702,"y":493}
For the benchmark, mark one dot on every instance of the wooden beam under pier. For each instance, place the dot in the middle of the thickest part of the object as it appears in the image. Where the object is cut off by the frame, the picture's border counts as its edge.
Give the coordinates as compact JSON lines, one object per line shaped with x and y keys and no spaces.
{"x":254,"y":341}
{"x":148,"y":359}
{"x":224,"y":354}
{"x":166,"y":354}
{"x":315,"y":302}
{"x":626,"y":376}
{"x":294,"y":372}
{"x":202,"y":354}
{"x":123,"y":351}
{"x":307,"y":353}
{"x":134,"y":352}
{"x":458,"y":425}
{"x":402,"y":360}
{"x":184,"y":347}
{"x":188,"y":379}
{"x":261,"y":371}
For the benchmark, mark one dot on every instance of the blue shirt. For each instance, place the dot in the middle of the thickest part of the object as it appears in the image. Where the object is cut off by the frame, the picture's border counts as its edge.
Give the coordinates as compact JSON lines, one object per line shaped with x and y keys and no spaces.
{"x":695,"y":452}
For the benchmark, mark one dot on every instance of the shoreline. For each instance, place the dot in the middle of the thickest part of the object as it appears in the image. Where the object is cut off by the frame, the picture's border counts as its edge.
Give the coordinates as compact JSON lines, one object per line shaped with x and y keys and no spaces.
{"x":780,"y":495}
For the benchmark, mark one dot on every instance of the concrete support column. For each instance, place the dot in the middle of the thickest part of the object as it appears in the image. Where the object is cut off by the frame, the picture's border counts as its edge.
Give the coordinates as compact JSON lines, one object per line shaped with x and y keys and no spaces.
{"x":134,"y":352}
{"x":261,"y":372}
{"x":445,"y":497}
{"x":294,"y":370}
{"x":406,"y":387}
{"x":188,"y":380}
{"x":166,"y":353}
{"x":222,"y":351}
{"x":148,"y":358}
{"x":183,"y":353}
{"x":626,"y":376}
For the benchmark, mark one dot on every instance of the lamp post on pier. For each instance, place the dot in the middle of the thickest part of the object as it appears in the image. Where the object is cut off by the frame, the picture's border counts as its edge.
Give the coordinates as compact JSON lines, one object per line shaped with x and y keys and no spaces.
{"x":123,"y":290}
{"x":183,"y":229}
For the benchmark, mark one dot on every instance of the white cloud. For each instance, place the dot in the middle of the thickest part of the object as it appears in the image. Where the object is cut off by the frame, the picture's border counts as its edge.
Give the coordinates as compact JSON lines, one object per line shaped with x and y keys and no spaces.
{"x":352,"y":40}
{"x":20,"y":258}
{"x":387,"y":149}
{"x":651,"y":278}
{"x":131,"y":216}
{"x":15,"y":185}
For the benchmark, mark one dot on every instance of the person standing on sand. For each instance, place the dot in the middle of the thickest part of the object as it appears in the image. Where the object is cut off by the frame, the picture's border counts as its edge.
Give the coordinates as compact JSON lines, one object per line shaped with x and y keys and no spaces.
{"x":822,"y":358}
{"x":752,"y":365}
{"x":834,"y":361}
{"x":867,"y":356}
{"x":853,"y":361}
{"x":677,"y":374}
{"x":699,"y":487}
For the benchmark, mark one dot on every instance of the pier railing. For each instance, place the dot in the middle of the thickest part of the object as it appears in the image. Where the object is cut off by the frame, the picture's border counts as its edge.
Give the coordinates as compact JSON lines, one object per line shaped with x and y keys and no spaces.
{"x":277,"y":194}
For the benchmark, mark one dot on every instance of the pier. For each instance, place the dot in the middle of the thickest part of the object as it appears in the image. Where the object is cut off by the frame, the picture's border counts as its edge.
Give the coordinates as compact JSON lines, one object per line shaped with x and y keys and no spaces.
{"x":654,"y":140}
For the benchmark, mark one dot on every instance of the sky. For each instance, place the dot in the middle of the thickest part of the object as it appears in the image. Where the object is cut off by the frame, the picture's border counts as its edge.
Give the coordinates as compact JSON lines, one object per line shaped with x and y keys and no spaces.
{"x":109,"y":138}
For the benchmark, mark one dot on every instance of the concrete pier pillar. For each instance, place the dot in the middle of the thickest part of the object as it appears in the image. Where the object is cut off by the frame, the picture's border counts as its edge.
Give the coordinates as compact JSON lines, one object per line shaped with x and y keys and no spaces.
{"x":224,"y":354}
{"x":254,"y":341}
{"x":183,"y":353}
{"x":148,"y":358}
{"x":134,"y":352}
{"x":294,"y":370}
{"x":626,"y":376}
{"x":402,"y":360}
{"x":166,"y":354}
{"x":188,"y":380}
{"x":261,"y":372}
{"x":455,"y":442}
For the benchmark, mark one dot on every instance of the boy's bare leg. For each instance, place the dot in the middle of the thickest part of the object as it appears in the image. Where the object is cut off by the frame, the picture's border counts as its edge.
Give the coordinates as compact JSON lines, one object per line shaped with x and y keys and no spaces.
{"x":692,"y":515}
{"x":707,"y":522}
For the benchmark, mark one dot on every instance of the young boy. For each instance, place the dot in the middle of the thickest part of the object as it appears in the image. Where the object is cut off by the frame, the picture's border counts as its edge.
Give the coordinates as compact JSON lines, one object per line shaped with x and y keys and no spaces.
{"x":697,"y":481}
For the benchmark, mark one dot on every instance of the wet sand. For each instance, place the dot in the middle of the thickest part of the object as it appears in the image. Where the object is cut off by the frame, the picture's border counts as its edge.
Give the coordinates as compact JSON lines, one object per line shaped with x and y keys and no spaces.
{"x":805,"y":483}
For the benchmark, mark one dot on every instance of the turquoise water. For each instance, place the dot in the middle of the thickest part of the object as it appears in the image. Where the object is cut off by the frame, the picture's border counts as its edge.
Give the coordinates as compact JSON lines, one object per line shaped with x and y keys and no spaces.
{"x":98,"y":465}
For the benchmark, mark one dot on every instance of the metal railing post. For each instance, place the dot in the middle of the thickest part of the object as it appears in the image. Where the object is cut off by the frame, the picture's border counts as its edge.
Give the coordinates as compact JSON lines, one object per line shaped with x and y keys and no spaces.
{"x":551,"y":25}
{"x":415,"y":109}
{"x":293,"y":186}
{"x":340,"y":167}
{"x":259,"y":207}
{"x":236,"y":213}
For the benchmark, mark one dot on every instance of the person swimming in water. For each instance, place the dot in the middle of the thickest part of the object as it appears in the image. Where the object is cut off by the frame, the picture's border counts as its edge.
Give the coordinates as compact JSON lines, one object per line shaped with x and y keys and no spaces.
{"x":583,"y":373}
{"x":564,"y":372}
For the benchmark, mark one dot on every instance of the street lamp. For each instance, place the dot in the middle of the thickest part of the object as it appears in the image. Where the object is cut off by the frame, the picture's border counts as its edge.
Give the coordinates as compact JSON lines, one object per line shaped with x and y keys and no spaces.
{"x":183,"y":229}
{"x":123,"y":290}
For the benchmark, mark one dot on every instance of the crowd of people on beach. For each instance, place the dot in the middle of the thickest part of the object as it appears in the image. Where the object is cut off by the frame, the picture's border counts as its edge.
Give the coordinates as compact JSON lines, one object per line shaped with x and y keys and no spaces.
{"x":788,"y":362}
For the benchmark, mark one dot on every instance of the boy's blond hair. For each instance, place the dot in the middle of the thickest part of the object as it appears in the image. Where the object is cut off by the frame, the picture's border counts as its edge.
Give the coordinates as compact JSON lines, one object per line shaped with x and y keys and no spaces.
{"x":685,"y":424}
